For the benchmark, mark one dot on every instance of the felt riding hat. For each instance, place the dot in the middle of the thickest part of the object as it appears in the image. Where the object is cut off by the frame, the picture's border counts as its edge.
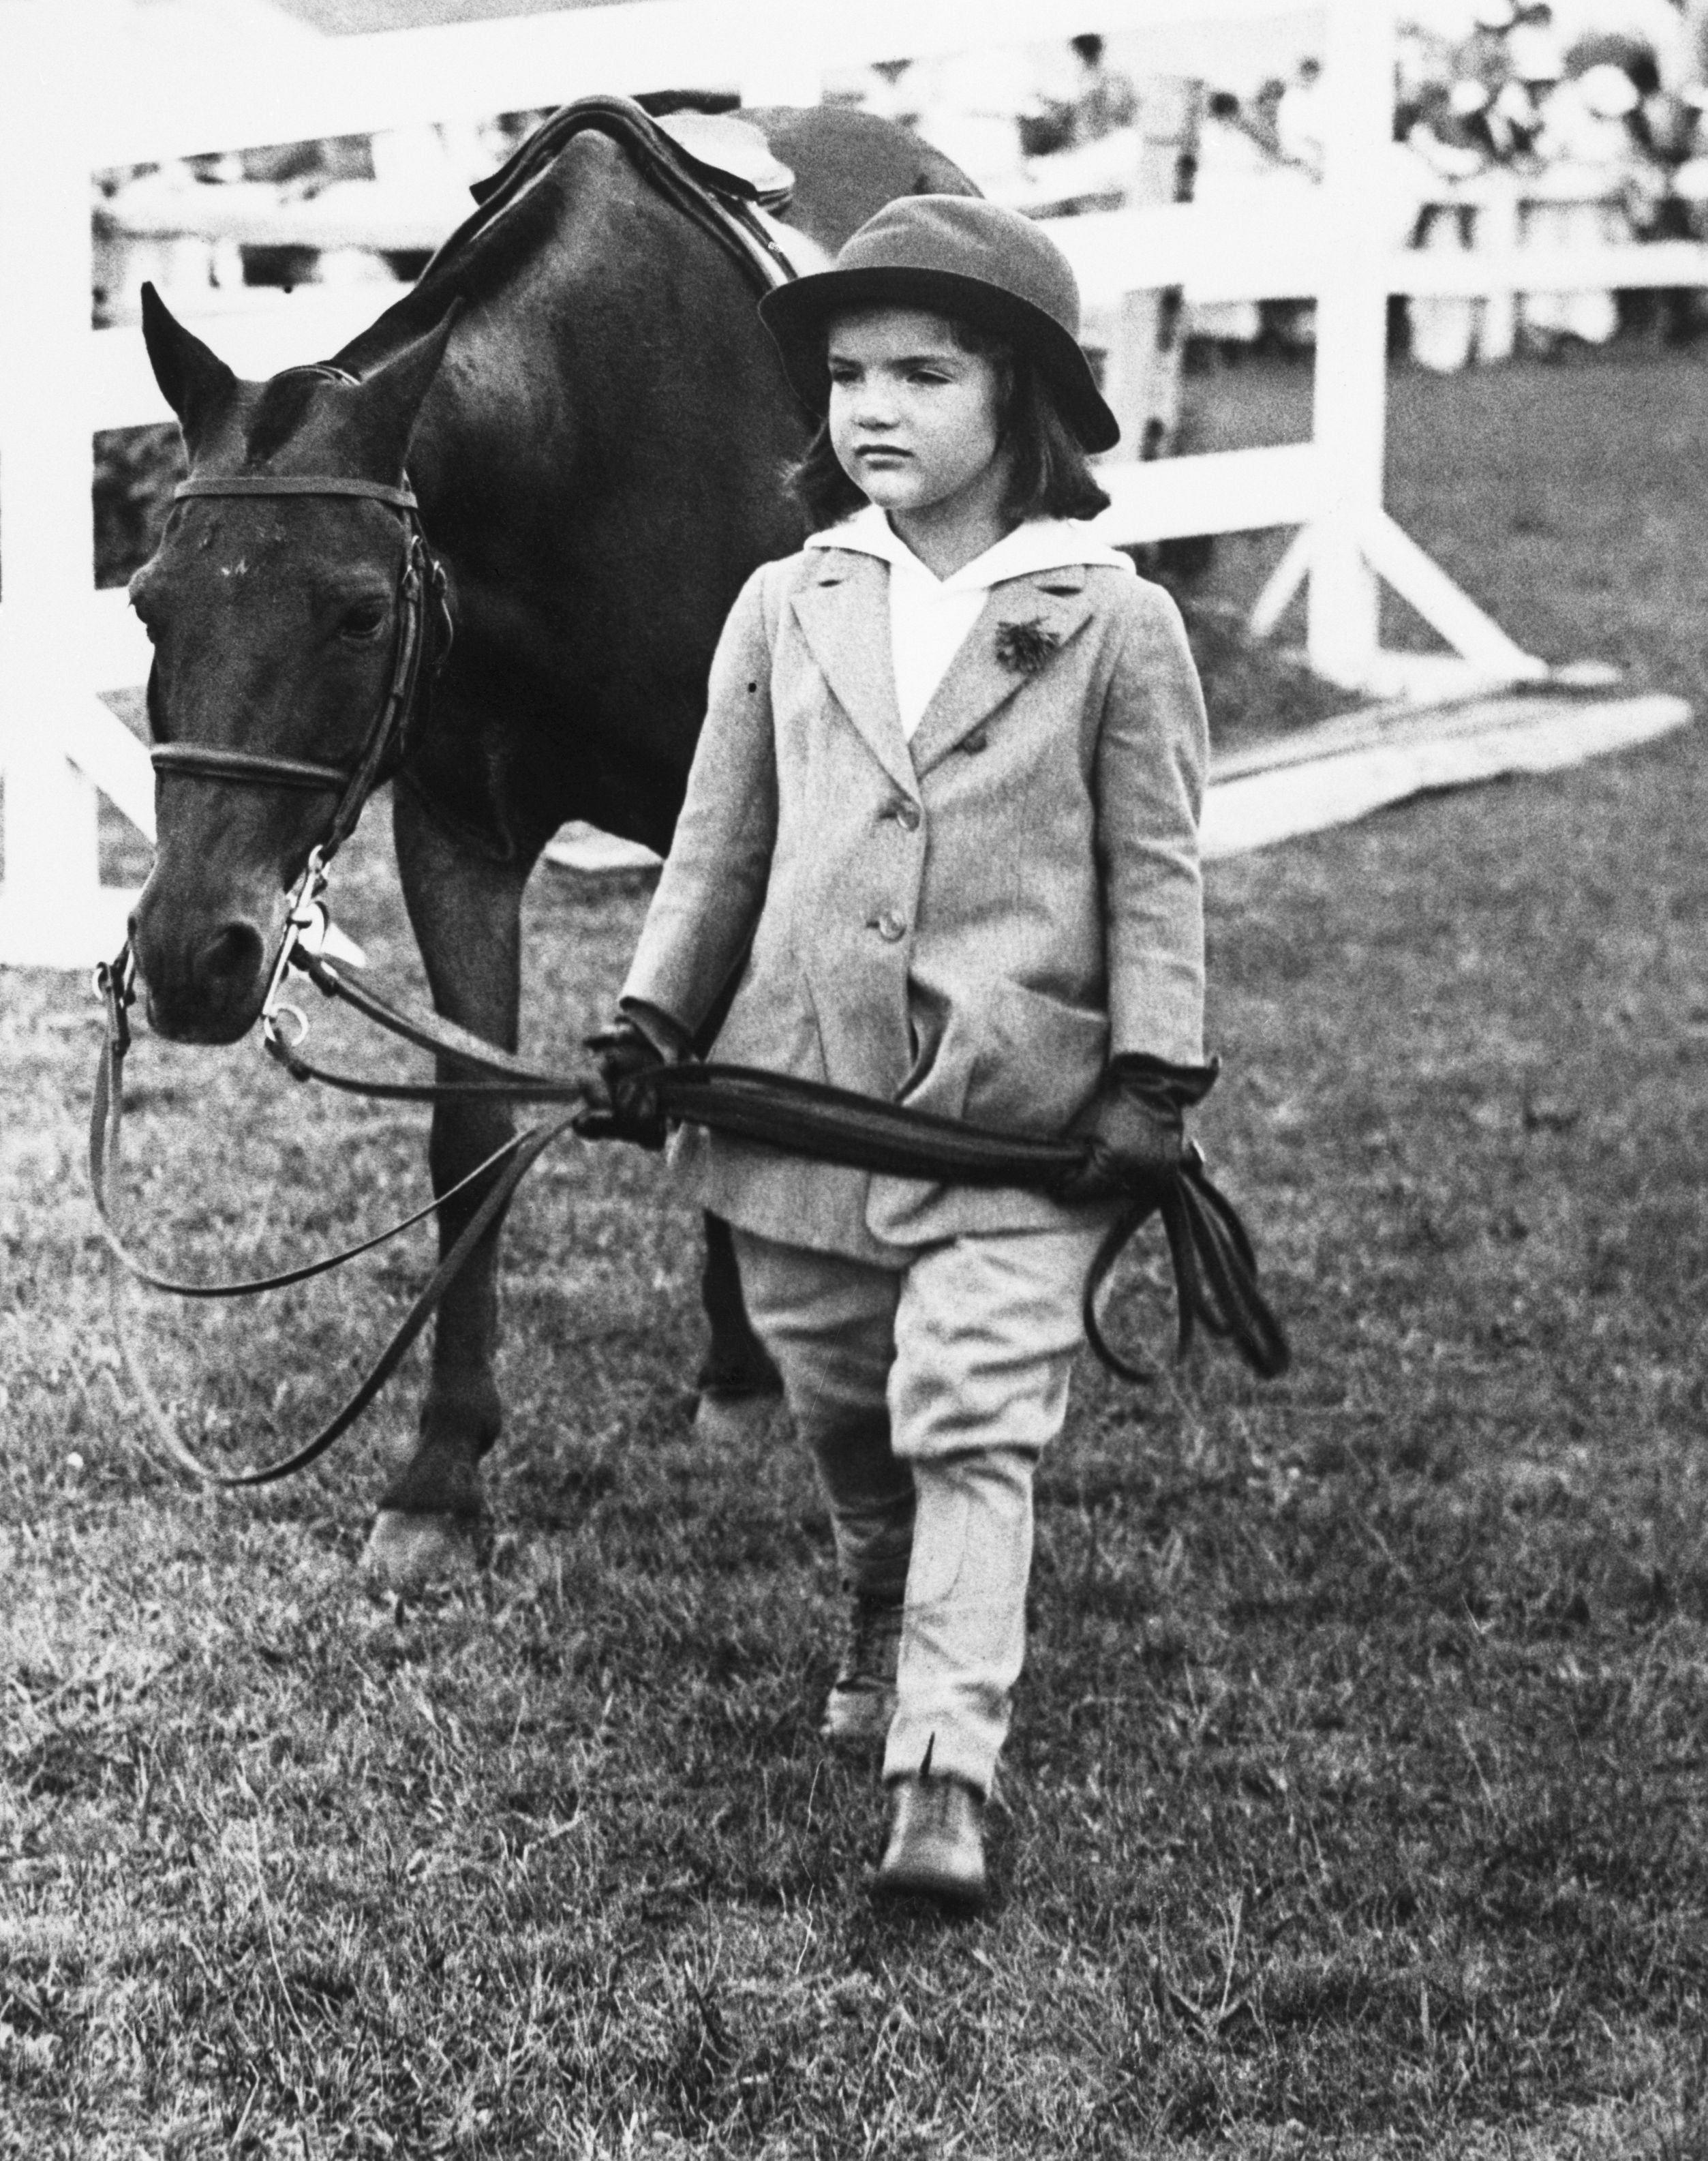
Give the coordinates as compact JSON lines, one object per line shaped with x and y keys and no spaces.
{"x":957,"y":256}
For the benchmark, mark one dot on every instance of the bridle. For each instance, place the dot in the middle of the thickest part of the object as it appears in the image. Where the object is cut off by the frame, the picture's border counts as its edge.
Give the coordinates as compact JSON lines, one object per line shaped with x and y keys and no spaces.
{"x":420,"y":644}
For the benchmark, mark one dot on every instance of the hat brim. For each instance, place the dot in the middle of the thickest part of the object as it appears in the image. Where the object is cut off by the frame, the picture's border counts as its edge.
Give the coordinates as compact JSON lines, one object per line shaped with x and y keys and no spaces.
{"x":798,"y":316}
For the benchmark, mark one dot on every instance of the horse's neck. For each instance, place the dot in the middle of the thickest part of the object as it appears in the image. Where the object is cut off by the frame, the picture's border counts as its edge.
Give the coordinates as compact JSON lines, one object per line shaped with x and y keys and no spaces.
{"x":600,"y":367}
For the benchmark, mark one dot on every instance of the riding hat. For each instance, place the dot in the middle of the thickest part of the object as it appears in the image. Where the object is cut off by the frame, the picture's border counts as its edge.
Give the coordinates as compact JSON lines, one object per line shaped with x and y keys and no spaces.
{"x":957,"y":256}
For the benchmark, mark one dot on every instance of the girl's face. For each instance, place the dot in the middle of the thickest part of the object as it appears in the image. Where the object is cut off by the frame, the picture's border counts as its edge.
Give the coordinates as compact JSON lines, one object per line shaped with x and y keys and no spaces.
{"x":915,"y":421}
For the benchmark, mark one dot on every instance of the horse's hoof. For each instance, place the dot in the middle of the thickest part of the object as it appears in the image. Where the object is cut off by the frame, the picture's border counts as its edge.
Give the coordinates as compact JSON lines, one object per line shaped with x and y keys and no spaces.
{"x":407,"y":1552}
{"x":733,"y":1420}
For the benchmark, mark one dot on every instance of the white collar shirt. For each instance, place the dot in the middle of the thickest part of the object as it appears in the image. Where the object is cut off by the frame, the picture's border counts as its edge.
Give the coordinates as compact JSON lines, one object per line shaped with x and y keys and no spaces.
{"x":931,"y":617}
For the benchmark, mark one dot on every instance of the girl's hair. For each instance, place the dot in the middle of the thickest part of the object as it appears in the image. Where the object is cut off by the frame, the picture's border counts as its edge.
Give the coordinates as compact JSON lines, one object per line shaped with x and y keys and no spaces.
{"x":1050,"y":477}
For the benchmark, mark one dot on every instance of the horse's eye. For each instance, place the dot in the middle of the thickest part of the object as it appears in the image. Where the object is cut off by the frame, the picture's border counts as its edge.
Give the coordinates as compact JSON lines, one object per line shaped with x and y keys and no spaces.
{"x":363,"y":621}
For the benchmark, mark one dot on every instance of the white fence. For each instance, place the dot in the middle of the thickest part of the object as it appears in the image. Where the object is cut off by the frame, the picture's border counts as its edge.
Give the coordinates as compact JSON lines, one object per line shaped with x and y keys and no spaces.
{"x":72,"y":102}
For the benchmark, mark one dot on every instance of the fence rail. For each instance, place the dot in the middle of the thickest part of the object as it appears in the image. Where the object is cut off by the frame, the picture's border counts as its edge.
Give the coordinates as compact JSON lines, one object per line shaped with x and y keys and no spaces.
{"x":260,"y":328}
{"x":142,"y":109}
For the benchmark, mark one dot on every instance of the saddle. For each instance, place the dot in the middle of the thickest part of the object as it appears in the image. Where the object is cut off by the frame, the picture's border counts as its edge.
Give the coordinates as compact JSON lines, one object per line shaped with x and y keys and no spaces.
{"x":718,"y":169}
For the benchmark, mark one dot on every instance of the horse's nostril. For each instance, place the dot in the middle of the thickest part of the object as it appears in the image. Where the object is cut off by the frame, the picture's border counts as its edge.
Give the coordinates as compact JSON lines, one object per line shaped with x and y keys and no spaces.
{"x":231,"y":959}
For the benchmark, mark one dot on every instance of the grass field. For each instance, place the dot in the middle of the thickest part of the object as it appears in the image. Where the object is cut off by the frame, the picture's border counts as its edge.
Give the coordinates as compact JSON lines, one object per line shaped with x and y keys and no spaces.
{"x":1355,"y":1804}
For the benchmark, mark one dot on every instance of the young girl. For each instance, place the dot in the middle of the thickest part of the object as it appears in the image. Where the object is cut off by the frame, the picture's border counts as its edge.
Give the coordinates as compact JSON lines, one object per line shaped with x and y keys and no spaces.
{"x":943,"y":821}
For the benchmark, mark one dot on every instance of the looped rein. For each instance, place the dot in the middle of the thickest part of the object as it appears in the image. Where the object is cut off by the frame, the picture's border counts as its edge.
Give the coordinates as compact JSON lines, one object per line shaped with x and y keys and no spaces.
{"x":501,"y":1173}
{"x":1214,"y":1266}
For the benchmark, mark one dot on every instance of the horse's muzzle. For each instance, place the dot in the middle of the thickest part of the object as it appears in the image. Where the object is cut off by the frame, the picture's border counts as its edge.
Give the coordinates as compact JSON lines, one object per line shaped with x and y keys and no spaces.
{"x":202,"y":985}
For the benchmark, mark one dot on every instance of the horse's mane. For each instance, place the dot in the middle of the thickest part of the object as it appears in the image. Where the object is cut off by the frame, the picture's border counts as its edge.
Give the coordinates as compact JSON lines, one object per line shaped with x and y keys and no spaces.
{"x":513,"y":205}
{"x":477,"y":257}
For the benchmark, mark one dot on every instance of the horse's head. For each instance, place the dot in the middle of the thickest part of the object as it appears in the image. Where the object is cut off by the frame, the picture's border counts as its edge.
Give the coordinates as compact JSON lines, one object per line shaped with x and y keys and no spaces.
{"x":274,"y":620}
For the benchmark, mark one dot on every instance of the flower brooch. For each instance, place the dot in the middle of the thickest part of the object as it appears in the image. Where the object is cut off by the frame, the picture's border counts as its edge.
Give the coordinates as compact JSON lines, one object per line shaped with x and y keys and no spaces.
{"x":1025,"y":647}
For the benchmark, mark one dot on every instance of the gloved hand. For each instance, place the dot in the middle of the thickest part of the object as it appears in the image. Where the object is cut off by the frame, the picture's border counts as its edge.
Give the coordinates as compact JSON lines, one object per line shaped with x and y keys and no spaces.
{"x":1136,"y":1128}
{"x":631,"y":1110}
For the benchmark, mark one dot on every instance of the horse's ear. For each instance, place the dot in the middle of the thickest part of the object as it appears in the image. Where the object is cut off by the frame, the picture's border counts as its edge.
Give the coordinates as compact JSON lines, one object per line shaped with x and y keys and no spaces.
{"x":194,"y":382}
{"x":393,"y":394}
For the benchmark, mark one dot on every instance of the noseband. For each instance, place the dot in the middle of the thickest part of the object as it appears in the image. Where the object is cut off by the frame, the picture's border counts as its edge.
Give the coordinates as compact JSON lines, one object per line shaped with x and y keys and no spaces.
{"x":421,"y":585}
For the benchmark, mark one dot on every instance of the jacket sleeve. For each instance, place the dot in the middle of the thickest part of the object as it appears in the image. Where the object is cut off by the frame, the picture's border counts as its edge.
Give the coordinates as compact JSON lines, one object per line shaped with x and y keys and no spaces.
{"x":713,"y":885}
{"x":1153,"y":751}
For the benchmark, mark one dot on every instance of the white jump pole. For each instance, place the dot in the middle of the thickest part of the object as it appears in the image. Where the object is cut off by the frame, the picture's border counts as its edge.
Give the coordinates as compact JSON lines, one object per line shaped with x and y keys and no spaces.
{"x":1350,"y":397}
{"x":54,"y":913}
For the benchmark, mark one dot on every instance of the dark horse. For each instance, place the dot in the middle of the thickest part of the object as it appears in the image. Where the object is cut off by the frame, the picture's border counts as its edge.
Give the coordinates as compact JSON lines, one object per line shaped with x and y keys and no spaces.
{"x":595,"y":424}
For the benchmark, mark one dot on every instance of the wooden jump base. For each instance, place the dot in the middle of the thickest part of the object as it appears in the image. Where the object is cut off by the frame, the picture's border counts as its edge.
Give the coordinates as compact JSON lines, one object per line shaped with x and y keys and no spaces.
{"x":1338,"y":772}
{"x":1345,"y":769}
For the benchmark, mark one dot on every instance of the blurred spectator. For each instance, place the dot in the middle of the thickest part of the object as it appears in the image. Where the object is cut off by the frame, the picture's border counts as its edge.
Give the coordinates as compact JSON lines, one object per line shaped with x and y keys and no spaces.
{"x":1690,"y":179}
{"x":1423,"y":64}
{"x":1236,"y":168}
{"x":1075,"y":121}
{"x":974,"y":107}
{"x":1453,"y":143}
{"x":1298,"y":118}
{"x":1594,"y":168}
{"x":1665,"y":126}
{"x":1515,"y":123}
{"x":1663,"y":123}
{"x":893,"y":93}
{"x":1260,"y":112}
{"x":1104,"y":99}
{"x":1532,"y":46}
{"x":181,"y":263}
{"x":1486,"y":56}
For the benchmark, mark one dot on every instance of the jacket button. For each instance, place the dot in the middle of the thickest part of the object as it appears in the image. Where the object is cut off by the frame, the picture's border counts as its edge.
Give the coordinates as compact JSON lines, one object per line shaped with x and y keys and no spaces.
{"x":907,"y":816}
{"x":890,"y":927}
{"x":974,"y":743}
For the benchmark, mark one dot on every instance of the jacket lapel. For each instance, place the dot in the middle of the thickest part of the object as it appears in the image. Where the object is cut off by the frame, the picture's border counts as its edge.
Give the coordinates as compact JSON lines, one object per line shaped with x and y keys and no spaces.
{"x":979,"y":680}
{"x":844,"y":616}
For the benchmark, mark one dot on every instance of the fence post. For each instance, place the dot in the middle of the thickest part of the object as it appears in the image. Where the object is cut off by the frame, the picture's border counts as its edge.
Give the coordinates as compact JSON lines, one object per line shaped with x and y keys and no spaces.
{"x":1349,"y":417}
{"x":52,"y":911}
{"x":1496,"y":232}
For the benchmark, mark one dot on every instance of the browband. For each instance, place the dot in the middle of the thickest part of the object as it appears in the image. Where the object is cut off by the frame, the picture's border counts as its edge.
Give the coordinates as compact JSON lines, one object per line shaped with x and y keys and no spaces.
{"x":206,"y":764}
{"x":399,"y":498}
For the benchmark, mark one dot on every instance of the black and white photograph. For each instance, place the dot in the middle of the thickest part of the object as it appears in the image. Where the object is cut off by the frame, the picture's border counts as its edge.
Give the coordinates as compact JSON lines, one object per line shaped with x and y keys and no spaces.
{"x":853,"y":1081}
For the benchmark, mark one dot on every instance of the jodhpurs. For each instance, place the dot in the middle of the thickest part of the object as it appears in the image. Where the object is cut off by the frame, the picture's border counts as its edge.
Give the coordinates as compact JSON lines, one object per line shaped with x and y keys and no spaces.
{"x":926,"y":1394}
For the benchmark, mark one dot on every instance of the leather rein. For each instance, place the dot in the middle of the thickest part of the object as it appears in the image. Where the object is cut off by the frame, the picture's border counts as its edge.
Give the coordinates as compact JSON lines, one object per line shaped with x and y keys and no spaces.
{"x":1214,"y":1266}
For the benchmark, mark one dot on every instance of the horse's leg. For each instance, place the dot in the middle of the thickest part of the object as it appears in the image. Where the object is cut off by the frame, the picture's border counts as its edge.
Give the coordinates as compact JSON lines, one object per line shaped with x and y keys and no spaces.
{"x":465,"y":910}
{"x":739,"y":1387}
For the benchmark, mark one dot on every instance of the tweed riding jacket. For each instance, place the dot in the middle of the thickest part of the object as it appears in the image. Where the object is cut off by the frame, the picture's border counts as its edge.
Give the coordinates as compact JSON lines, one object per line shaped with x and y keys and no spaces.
{"x":972,"y":924}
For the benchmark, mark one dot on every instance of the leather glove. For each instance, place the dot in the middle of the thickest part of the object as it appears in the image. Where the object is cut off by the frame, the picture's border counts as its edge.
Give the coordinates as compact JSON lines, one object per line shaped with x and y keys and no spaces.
{"x":630,"y":1110}
{"x":1136,"y":1128}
